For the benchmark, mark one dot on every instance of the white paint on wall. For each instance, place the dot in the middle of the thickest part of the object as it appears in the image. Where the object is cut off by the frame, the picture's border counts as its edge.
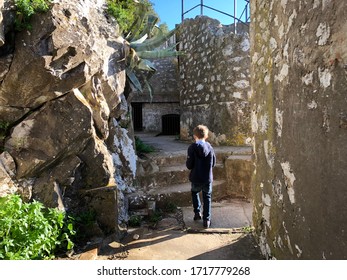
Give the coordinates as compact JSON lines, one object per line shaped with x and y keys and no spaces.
{"x":288,"y":173}
{"x":289,"y":180}
{"x":264,"y":123}
{"x":268,"y":155}
{"x":276,"y":20}
{"x":287,"y":238}
{"x":281,"y":31}
{"x":285,"y":51}
{"x":283,"y":73}
{"x":279,"y":121}
{"x":284,"y":4}
{"x":237,"y":95}
{"x":316,"y":4}
{"x":307,"y":79}
{"x":273,"y":44}
{"x":299,"y":253}
{"x":267,"y":79}
{"x":255,"y":57}
{"x":324,"y":77}
{"x":291,"y":20}
{"x":323,"y":33}
{"x":312,"y":105}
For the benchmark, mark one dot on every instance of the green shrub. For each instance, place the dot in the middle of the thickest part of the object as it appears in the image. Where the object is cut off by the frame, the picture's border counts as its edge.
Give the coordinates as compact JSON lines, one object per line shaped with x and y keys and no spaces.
{"x":135,"y":221}
{"x":25,"y":9}
{"x":142,"y":147}
{"x":30,"y":231}
{"x":126,"y":13}
{"x":83,"y":222}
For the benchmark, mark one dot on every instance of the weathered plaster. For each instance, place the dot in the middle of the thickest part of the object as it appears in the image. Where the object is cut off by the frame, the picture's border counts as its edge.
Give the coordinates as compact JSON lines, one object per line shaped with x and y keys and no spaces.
{"x":299,"y":121}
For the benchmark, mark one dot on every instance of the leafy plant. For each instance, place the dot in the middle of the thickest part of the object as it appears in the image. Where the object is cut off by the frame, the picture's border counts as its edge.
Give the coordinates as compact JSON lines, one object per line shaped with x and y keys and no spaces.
{"x":135,"y":221}
{"x":156,"y":217}
{"x":25,"y":9}
{"x":31,"y":231}
{"x":142,"y":147}
{"x":125,"y":12}
{"x":247,"y":229}
{"x":82,"y":223}
{"x":170,"y":207}
{"x":144,"y":37}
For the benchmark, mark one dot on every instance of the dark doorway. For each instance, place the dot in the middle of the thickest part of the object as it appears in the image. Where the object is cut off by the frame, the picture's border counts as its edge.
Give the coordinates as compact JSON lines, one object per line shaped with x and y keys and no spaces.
{"x":170,"y":124}
{"x":137,"y":116}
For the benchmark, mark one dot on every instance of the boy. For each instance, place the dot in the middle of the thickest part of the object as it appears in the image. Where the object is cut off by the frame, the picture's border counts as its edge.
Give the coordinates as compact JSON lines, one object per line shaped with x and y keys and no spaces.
{"x":200,"y":161}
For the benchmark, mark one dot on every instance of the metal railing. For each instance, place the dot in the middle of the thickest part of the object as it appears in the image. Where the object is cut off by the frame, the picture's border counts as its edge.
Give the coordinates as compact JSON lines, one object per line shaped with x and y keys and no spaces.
{"x":244,"y":18}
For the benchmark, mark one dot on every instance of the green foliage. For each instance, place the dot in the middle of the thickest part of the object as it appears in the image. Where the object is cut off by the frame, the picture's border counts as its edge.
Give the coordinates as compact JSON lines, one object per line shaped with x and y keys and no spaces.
{"x":82,"y":223}
{"x":156,"y":217}
{"x":135,"y":221}
{"x":138,"y":20}
{"x":126,"y":14}
{"x":30,"y":231}
{"x":142,"y":147}
{"x":25,"y":9}
{"x":248,"y":229}
{"x":170,"y":207}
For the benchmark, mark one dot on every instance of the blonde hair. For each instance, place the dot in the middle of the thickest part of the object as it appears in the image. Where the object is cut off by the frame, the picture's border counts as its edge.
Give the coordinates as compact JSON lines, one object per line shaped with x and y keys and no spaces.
{"x":201,"y":131}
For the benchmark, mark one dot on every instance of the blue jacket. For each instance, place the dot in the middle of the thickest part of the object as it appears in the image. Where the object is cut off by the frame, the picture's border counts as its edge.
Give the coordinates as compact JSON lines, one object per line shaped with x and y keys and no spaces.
{"x":200,"y":161}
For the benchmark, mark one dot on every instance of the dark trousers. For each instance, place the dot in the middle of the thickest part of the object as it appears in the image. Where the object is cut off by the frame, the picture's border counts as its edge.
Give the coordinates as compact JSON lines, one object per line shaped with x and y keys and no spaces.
{"x":206,"y":198}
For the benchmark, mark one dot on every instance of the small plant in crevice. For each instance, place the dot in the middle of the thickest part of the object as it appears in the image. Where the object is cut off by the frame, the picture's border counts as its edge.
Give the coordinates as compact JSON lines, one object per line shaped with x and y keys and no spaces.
{"x":83,"y":222}
{"x":141,"y":147}
{"x":30,"y":231}
{"x":155,"y":217}
{"x":25,"y":9}
{"x":248,"y":229}
{"x":135,"y":221}
{"x":170,"y":207}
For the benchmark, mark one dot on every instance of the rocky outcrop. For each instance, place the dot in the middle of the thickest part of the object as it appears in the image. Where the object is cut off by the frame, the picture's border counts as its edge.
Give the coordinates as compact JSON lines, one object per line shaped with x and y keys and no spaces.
{"x":61,"y":97}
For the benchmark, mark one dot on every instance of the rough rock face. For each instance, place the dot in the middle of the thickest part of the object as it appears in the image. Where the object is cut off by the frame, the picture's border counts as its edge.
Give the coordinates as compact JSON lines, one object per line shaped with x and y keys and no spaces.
{"x":299,"y":58}
{"x":61,"y":94}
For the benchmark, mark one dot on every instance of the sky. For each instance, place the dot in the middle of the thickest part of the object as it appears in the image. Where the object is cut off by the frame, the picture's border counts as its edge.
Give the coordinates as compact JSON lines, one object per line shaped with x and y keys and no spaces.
{"x":170,"y":11}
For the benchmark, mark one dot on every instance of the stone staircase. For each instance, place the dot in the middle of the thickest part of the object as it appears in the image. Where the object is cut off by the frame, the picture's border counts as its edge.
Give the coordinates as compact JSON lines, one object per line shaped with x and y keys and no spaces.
{"x":163,"y":178}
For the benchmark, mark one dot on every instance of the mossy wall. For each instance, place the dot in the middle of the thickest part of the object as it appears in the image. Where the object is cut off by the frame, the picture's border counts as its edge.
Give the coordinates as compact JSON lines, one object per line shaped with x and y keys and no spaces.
{"x":299,"y":109}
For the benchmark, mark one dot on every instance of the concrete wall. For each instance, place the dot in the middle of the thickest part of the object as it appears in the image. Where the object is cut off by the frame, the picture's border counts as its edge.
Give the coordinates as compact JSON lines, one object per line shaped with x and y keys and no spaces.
{"x":299,"y":120}
{"x":165,"y":97}
{"x":153,"y":112}
{"x":214,"y":80}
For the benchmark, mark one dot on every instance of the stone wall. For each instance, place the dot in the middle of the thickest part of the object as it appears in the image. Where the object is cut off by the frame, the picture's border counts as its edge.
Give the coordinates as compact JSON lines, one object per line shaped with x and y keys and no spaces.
{"x":299,"y":120}
{"x":165,"y":96}
{"x":214,"y":80}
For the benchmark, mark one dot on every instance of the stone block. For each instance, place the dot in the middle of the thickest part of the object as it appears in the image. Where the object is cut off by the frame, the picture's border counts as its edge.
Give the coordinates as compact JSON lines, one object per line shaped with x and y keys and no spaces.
{"x":239,"y":170}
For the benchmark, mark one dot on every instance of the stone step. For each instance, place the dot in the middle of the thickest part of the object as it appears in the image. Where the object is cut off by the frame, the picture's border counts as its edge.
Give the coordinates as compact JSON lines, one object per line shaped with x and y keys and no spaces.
{"x":180,"y":194}
{"x":179,"y":157}
{"x":171,"y":175}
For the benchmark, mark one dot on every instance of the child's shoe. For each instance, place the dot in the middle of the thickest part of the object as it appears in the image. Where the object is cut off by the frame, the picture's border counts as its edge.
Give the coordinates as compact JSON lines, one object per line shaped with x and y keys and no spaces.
{"x":197,"y":216}
{"x":207,"y":223}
